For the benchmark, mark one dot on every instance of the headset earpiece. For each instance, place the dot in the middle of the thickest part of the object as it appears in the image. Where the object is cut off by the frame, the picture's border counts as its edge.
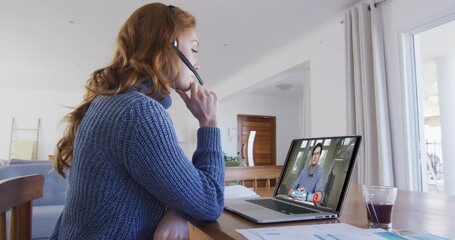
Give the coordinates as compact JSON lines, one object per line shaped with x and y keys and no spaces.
{"x":182,"y":57}
{"x":187,"y":63}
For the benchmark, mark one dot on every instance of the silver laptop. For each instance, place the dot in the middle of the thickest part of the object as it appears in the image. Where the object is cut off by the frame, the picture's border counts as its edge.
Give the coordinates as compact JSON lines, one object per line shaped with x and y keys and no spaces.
{"x":313,"y":183}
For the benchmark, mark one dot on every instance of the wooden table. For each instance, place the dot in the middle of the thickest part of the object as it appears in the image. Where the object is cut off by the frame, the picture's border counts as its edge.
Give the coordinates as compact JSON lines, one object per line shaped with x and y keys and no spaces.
{"x":414,"y":212}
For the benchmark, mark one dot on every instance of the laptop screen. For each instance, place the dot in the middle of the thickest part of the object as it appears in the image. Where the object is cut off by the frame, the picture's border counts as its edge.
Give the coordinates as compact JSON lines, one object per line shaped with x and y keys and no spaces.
{"x":317,"y":171}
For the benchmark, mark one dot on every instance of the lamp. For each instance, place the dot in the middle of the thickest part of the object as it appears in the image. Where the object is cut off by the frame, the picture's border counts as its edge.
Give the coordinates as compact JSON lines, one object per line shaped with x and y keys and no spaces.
{"x":284,"y":86}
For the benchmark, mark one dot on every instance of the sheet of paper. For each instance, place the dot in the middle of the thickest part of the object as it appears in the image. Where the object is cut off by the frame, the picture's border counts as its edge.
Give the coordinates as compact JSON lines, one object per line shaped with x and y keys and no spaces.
{"x":405,"y":235}
{"x":238,"y":191}
{"x":425,"y":236}
{"x":336,"y":231}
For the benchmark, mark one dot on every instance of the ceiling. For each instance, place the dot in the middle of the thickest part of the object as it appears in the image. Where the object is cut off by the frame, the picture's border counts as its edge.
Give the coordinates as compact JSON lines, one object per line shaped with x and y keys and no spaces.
{"x":57,"y":44}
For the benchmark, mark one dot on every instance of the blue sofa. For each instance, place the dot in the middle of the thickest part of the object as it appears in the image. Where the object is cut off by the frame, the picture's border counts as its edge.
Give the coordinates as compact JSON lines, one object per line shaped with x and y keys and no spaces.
{"x":47,"y":209}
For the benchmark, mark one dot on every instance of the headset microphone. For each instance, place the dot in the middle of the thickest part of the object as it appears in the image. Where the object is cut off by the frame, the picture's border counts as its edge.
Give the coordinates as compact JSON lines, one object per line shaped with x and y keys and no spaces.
{"x":187,"y":63}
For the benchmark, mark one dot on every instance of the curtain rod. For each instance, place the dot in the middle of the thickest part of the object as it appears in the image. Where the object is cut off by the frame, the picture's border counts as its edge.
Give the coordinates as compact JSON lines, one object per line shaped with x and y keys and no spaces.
{"x":376,"y":4}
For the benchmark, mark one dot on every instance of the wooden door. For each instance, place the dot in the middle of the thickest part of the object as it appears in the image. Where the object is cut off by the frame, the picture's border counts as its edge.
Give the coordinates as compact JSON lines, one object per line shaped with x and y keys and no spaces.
{"x":264,"y":146}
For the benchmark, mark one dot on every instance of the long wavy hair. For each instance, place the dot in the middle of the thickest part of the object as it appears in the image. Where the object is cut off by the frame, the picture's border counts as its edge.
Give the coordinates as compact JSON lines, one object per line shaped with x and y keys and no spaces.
{"x":143,"y":53}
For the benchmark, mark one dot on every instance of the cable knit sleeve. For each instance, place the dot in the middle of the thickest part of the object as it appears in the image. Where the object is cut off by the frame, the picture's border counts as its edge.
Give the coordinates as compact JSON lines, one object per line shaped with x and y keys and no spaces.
{"x":155,"y":160}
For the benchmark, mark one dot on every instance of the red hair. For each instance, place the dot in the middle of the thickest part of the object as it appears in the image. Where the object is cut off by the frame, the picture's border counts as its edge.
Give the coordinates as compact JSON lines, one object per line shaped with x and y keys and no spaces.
{"x":144,"y":53}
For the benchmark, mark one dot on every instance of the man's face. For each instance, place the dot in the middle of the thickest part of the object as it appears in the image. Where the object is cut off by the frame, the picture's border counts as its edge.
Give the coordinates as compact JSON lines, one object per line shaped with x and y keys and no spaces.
{"x":316,"y":155}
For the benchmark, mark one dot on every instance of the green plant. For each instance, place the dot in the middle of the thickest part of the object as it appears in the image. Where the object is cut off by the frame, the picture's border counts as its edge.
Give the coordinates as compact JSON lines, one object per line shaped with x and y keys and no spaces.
{"x":230,"y":158}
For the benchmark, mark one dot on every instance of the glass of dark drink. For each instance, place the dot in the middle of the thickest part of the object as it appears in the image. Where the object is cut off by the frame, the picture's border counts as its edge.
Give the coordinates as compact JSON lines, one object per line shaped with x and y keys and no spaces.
{"x":379,"y":201}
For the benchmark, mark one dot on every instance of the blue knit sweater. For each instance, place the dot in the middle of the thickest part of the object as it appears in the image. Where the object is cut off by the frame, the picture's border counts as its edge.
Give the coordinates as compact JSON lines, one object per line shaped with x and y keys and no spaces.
{"x":128,"y":167}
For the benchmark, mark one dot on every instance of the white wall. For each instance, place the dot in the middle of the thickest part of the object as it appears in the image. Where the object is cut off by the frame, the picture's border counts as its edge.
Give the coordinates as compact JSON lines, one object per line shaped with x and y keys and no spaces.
{"x":286,"y":111}
{"x":185,"y":125}
{"x":324,"y":49}
{"x":26,"y":106}
{"x":399,"y":17}
{"x":446,"y":83}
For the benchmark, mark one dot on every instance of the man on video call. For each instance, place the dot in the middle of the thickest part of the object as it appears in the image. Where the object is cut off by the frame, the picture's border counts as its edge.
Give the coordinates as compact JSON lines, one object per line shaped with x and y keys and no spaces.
{"x":310,"y":178}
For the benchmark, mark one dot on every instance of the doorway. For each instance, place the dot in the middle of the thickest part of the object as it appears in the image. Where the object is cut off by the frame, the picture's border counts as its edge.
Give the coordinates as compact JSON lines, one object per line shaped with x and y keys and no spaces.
{"x":256,"y":143}
{"x":432,"y":56}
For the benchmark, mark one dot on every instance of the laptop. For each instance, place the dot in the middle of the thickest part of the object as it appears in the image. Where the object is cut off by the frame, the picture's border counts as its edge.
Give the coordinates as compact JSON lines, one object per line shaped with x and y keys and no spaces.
{"x":313,"y":183}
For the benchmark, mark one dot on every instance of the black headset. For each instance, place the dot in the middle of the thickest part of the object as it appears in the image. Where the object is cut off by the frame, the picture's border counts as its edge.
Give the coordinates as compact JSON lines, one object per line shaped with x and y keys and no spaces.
{"x":187,"y":63}
{"x":182,"y":57}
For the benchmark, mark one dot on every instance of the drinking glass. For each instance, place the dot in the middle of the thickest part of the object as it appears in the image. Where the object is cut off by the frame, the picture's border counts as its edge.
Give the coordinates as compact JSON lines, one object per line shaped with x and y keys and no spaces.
{"x":379,"y":202}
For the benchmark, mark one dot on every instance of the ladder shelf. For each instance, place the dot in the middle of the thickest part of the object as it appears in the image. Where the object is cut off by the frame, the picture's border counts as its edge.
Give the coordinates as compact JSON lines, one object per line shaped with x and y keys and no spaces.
{"x":15,"y":131}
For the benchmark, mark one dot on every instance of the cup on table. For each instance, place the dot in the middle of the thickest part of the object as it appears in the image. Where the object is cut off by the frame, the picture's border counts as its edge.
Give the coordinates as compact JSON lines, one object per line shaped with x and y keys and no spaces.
{"x":379,"y":202}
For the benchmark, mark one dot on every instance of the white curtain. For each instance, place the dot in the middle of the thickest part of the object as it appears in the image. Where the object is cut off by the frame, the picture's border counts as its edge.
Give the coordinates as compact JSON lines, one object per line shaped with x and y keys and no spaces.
{"x":368,"y":109}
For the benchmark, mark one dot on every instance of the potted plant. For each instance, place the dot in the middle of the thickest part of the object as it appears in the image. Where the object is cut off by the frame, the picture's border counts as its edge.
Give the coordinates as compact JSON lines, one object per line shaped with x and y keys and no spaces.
{"x":230,"y":161}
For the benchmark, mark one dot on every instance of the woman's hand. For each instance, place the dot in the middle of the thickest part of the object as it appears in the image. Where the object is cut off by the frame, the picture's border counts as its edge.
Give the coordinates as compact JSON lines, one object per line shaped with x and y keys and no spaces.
{"x":171,"y":226}
{"x":202,"y":103}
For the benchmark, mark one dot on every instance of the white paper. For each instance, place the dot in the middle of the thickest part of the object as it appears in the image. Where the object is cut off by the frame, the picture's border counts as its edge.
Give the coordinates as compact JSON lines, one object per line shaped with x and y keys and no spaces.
{"x":239,"y":191}
{"x":336,"y":231}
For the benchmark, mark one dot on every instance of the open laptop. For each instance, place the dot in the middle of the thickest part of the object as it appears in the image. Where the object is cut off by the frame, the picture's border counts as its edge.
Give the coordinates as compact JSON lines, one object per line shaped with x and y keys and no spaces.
{"x":329,"y":176}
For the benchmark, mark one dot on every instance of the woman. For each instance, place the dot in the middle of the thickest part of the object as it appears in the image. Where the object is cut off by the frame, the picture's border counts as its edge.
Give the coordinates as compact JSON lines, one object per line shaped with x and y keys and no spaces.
{"x":126,"y":170}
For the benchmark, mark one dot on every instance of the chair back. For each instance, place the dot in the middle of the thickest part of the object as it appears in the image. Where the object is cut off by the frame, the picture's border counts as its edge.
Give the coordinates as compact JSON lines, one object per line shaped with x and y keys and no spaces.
{"x":17,"y":194}
{"x":242,"y":174}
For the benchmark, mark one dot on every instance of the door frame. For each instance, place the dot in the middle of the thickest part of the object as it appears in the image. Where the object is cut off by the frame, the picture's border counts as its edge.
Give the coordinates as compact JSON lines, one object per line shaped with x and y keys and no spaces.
{"x":417,"y":162}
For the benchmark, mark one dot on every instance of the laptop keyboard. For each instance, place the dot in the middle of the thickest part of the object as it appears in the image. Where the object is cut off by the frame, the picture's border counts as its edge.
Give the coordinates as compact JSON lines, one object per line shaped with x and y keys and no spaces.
{"x":280,"y":206}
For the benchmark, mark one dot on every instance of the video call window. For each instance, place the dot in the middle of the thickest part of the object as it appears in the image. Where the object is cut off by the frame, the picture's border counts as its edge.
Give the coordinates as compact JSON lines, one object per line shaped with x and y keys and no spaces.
{"x":334,"y":158}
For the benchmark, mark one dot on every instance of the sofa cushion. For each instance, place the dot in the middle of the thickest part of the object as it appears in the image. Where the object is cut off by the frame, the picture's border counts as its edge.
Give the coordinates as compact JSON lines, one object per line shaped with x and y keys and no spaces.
{"x":46,"y":210}
{"x":54,"y":185}
{"x":44,"y":219}
{"x":21,"y":161}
